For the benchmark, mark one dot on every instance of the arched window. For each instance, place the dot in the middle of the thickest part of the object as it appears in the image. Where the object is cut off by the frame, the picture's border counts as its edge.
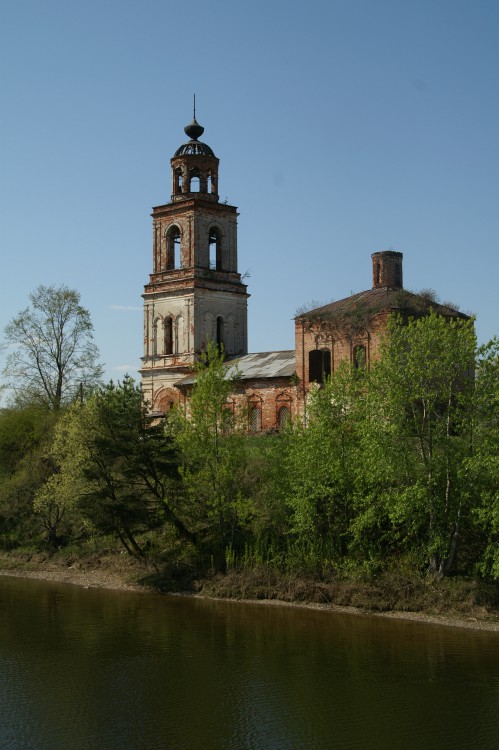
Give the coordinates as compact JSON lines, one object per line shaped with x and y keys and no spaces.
{"x":359,"y":357}
{"x":194,"y":181}
{"x":215,"y":244}
{"x":255,"y":419}
{"x":208,"y":182}
{"x":178,"y":181}
{"x":165,"y":402}
{"x":173,"y":249}
{"x":283,"y":417}
{"x":168,"y":336}
{"x":319,"y":365}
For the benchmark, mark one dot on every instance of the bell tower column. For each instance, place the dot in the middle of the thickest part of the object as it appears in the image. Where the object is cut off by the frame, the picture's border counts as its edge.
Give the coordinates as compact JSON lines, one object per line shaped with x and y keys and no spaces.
{"x":195,"y":292}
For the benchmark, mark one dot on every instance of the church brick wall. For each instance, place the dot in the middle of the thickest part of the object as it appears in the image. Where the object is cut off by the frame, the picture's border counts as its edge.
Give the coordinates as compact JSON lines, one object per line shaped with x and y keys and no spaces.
{"x":341,"y":347}
{"x":269,"y":397}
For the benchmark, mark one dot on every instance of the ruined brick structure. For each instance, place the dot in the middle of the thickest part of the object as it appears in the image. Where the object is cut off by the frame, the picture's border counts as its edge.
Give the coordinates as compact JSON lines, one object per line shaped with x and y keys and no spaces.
{"x":266,"y":389}
{"x":195,"y":294}
{"x":351,"y":328}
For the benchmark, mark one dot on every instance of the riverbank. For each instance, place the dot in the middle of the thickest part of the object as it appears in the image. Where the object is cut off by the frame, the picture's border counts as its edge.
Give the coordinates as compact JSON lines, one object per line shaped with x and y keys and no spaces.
{"x":121,"y":573}
{"x":117,"y":572}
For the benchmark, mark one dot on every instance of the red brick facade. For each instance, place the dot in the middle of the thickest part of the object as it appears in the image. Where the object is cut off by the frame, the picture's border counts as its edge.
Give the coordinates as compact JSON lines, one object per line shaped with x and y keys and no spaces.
{"x":196,"y":294}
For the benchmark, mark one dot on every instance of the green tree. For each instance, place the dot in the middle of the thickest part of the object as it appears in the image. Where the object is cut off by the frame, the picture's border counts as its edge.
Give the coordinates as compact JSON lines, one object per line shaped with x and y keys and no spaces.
{"x":211,"y":438}
{"x":330,"y":478}
{"x":25,"y":464}
{"x":425,"y":404}
{"x":321,"y":477}
{"x":118,"y":470}
{"x":54,"y":356}
{"x":482,"y":466}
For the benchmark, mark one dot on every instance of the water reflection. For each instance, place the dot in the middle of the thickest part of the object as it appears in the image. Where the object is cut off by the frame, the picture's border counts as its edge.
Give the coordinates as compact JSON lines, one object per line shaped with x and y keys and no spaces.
{"x":103,"y":670}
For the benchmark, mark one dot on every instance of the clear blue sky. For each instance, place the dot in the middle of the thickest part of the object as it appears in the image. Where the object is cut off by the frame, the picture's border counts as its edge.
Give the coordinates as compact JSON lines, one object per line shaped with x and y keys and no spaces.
{"x":343,"y":127}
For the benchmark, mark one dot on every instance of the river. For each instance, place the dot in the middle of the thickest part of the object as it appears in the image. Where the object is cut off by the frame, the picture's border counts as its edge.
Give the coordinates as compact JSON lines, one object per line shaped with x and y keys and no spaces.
{"x":87,"y":669}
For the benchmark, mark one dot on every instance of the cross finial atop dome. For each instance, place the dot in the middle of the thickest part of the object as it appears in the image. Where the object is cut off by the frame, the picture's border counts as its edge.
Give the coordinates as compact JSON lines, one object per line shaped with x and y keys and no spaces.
{"x":194,"y":130}
{"x":194,"y":147}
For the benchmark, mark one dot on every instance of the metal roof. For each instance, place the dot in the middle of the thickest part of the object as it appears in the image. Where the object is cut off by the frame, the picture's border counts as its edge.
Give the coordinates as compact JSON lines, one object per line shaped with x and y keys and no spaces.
{"x":194,"y":148}
{"x":256,"y":366}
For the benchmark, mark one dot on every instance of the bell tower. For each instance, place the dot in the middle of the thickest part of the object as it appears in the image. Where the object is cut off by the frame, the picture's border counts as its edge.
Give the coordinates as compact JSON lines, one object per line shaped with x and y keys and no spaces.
{"x":195,"y":293}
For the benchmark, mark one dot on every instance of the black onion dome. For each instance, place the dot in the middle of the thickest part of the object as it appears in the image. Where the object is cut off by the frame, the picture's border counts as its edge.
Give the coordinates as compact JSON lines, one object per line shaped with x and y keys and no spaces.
{"x":194,"y":147}
{"x":194,"y":130}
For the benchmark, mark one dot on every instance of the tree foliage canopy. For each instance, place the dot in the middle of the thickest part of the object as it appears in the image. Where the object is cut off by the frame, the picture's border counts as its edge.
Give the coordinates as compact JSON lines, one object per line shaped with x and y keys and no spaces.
{"x":396,"y":464}
{"x":425,"y":395}
{"x":211,"y":438}
{"x":119,"y":472}
{"x":54,"y":355}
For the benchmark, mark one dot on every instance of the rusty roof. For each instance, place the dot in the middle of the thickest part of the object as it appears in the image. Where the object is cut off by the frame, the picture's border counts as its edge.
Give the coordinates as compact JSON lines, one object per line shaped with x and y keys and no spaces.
{"x":381,"y":299}
{"x":256,"y":366}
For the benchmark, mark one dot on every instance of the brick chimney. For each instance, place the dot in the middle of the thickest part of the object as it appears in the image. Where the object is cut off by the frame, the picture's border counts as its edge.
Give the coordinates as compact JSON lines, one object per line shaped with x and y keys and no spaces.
{"x":387,"y":269}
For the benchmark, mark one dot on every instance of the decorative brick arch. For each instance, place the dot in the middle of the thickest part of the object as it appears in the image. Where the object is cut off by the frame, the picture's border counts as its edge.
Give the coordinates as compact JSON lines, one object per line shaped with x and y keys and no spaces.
{"x":216,"y":246}
{"x":172,"y":247}
{"x":283,"y":410}
{"x":255,"y":413}
{"x":165,"y":400}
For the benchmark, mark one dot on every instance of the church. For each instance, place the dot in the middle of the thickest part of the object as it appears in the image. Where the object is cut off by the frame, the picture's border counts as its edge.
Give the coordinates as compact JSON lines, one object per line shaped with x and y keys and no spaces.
{"x":195,"y":294}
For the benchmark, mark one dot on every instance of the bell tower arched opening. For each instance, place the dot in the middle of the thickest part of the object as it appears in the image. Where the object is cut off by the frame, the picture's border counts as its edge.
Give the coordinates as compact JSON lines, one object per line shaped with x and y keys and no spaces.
{"x":194,"y":181}
{"x":215,"y":249}
{"x":178,"y":181}
{"x":173,"y":248}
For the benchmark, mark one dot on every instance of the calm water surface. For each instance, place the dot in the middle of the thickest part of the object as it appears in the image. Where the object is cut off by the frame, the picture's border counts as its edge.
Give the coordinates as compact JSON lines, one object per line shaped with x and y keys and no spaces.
{"x":85,"y":669}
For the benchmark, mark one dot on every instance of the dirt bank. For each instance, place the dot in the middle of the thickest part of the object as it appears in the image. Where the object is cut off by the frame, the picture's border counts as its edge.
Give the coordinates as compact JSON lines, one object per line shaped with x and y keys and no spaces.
{"x":123,"y":575}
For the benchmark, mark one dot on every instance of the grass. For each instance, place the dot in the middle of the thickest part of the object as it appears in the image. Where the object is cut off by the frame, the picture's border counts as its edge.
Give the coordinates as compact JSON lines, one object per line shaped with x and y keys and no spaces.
{"x":388,"y":591}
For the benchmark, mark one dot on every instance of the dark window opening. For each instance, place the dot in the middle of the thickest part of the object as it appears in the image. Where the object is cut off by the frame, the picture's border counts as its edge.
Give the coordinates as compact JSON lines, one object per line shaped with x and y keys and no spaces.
{"x":319,"y":365}
{"x":215,"y":249}
{"x":173,"y":249}
{"x":168,"y":334}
